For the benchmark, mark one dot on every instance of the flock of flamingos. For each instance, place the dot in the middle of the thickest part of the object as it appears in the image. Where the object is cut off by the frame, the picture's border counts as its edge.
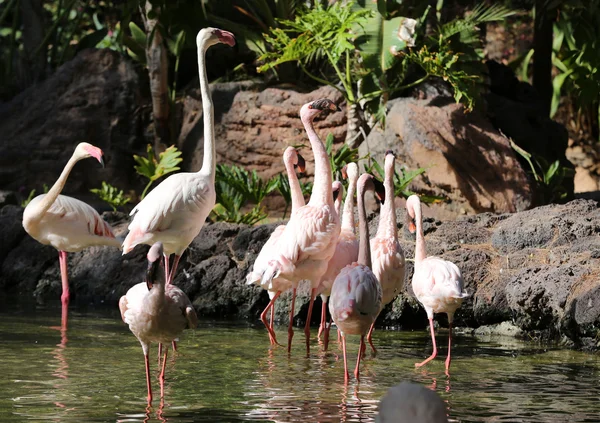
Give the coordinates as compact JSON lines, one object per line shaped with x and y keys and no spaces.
{"x":318,"y":244}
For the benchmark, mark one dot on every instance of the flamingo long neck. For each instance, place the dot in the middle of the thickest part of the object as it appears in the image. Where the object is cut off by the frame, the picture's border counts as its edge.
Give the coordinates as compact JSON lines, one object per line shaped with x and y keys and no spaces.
{"x":51,"y":196}
{"x":295,"y":190}
{"x":420,"y":251}
{"x":209,"y":159}
{"x":156,"y":297}
{"x":348,"y":214}
{"x":387,"y":216}
{"x":321,"y":193}
{"x":364,"y":249}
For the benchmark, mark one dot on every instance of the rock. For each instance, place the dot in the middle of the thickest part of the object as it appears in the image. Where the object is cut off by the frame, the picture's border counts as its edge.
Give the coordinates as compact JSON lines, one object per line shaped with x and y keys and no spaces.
{"x":7,"y":197}
{"x":91,"y":98}
{"x":254,"y":125}
{"x":466,"y":159}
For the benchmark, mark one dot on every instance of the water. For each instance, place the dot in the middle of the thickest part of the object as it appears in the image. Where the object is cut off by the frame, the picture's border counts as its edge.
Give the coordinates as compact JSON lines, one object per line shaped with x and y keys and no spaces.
{"x":225,"y":372}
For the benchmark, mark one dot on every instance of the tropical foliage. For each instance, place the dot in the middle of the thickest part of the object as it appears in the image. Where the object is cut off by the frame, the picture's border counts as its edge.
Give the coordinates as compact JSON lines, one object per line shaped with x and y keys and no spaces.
{"x":111,"y":195}
{"x":153,"y":169}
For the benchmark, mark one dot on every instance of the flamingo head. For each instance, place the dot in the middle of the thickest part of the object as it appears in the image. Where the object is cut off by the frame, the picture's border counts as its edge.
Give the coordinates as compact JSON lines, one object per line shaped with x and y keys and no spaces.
{"x":210,"y":36}
{"x":301,"y":165}
{"x":412,"y":202}
{"x":85,"y":150}
{"x":337,"y":188}
{"x":154,"y":273}
{"x":314,"y":108}
{"x":350,"y":171}
{"x":390,"y":158}
{"x":292,"y":156}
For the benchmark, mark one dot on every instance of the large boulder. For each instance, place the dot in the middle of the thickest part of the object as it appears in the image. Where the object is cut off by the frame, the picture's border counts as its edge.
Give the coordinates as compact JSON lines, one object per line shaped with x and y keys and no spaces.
{"x":466,"y":159}
{"x":92,"y":98}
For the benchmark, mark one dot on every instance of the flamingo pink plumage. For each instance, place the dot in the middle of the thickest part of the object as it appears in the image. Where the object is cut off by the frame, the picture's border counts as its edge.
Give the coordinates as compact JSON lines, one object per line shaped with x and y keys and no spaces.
{"x":156,"y":312}
{"x":67,"y":224}
{"x":387,"y":255}
{"x":174,"y":212}
{"x":356,"y":294}
{"x":437,"y":283}
{"x":291,"y":160}
{"x":309,"y":239}
{"x":346,"y":250}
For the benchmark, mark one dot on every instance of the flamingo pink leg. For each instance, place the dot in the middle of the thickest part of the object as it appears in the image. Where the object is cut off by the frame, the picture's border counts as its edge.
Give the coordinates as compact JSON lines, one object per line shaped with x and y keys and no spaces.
{"x":263,"y":317}
{"x":323,"y":319}
{"x":326,"y":336}
{"x":346,"y":374}
{"x":161,"y":377}
{"x":313,"y":293}
{"x":167,"y":271}
{"x":65,"y":296}
{"x":173,"y":269}
{"x":434,"y":354}
{"x":272,"y":321}
{"x":361,"y":350}
{"x":370,"y":338}
{"x":449,"y":344}
{"x":291,"y":323}
{"x":148,"y":384}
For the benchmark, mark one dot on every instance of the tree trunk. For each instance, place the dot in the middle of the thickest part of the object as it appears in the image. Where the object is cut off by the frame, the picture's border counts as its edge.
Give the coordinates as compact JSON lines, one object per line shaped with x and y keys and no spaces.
{"x":32,"y":14}
{"x":158,"y":70}
{"x":354,"y":123}
{"x":542,"y":55}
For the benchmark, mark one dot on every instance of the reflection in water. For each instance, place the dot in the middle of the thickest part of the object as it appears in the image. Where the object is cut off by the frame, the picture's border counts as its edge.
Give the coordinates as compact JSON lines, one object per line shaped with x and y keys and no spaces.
{"x":225,"y":373}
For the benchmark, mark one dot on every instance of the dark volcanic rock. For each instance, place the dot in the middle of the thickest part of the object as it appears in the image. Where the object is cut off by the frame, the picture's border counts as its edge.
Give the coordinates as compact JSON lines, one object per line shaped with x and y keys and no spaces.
{"x":539,"y":270}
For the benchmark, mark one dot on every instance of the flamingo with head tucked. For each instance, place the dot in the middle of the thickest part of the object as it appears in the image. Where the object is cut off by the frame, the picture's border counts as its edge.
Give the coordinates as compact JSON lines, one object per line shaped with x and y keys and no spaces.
{"x":309,"y":239}
{"x":346,"y":250}
{"x":437,"y":283}
{"x":356,"y":293}
{"x":291,"y":160}
{"x":387,"y":255}
{"x":156,"y":312}
{"x":67,"y":224}
{"x":174,"y":212}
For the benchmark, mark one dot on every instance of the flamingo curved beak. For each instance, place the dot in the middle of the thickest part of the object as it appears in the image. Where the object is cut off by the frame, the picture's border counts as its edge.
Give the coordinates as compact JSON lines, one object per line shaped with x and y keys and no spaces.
{"x":225,"y":37}
{"x":379,"y":190}
{"x":301,"y":164}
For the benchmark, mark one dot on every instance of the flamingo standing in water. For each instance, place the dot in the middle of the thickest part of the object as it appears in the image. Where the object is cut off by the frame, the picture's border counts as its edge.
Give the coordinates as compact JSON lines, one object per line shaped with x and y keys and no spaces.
{"x":291,"y":160}
{"x":388,"y":258}
{"x":174,"y":212}
{"x":67,"y":224}
{"x":310,"y":237}
{"x":356,"y":294}
{"x":346,"y":250}
{"x":437,"y":283}
{"x":156,"y":312}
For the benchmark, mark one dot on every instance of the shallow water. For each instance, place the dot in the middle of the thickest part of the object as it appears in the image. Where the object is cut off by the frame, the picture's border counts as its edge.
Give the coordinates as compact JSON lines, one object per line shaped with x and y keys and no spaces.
{"x":225,"y":372}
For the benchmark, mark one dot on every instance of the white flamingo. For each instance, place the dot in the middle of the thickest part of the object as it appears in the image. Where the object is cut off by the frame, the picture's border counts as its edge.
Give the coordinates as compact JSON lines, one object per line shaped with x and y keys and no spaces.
{"x":437,"y":283}
{"x":156,"y":312}
{"x":356,"y":294}
{"x":291,"y":160}
{"x":346,"y":250}
{"x":387,"y":255}
{"x":309,"y":239}
{"x":67,"y":224}
{"x":174,"y":212}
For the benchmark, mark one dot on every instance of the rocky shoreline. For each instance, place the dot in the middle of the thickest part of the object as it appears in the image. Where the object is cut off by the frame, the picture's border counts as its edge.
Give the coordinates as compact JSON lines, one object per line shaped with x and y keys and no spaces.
{"x":534,"y":273}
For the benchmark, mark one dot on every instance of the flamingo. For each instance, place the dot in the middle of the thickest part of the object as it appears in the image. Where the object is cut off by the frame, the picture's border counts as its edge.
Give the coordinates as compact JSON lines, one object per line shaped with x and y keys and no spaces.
{"x":156,"y":312}
{"x":67,"y":224}
{"x":388,"y":258}
{"x":291,"y":160}
{"x":309,"y":239}
{"x":356,"y":293}
{"x":411,"y":403}
{"x":437,"y":283}
{"x":346,"y":250}
{"x":174,"y":212}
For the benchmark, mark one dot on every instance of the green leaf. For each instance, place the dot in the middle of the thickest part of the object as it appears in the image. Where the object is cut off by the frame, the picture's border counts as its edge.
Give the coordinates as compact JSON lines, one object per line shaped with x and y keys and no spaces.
{"x":92,"y":39}
{"x":138,"y":35}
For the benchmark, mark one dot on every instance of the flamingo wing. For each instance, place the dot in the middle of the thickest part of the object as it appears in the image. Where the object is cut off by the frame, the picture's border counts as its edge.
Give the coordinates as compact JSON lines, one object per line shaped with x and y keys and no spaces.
{"x":68,"y":209}
{"x":309,"y":233}
{"x":438,"y":278}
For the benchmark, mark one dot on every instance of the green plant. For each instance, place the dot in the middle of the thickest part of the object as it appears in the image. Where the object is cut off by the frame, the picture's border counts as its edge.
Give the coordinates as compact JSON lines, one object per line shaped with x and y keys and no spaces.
{"x":154,"y":169}
{"x":111,"y":195}
{"x":31,"y":196}
{"x":236,"y":188}
{"x":340,"y":158}
{"x":549,"y":177}
{"x":402,"y":180}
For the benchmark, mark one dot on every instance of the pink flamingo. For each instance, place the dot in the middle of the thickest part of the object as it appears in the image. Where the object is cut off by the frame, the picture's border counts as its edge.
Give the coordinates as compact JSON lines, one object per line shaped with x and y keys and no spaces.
{"x":156,"y":312}
{"x":309,"y":239}
{"x":356,"y":294}
{"x":67,"y":224}
{"x":174,"y":212}
{"x":388,"y":258}
{"x":437,"y":283}
{"x":291,"y":160}
{"x":346,"y":250}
